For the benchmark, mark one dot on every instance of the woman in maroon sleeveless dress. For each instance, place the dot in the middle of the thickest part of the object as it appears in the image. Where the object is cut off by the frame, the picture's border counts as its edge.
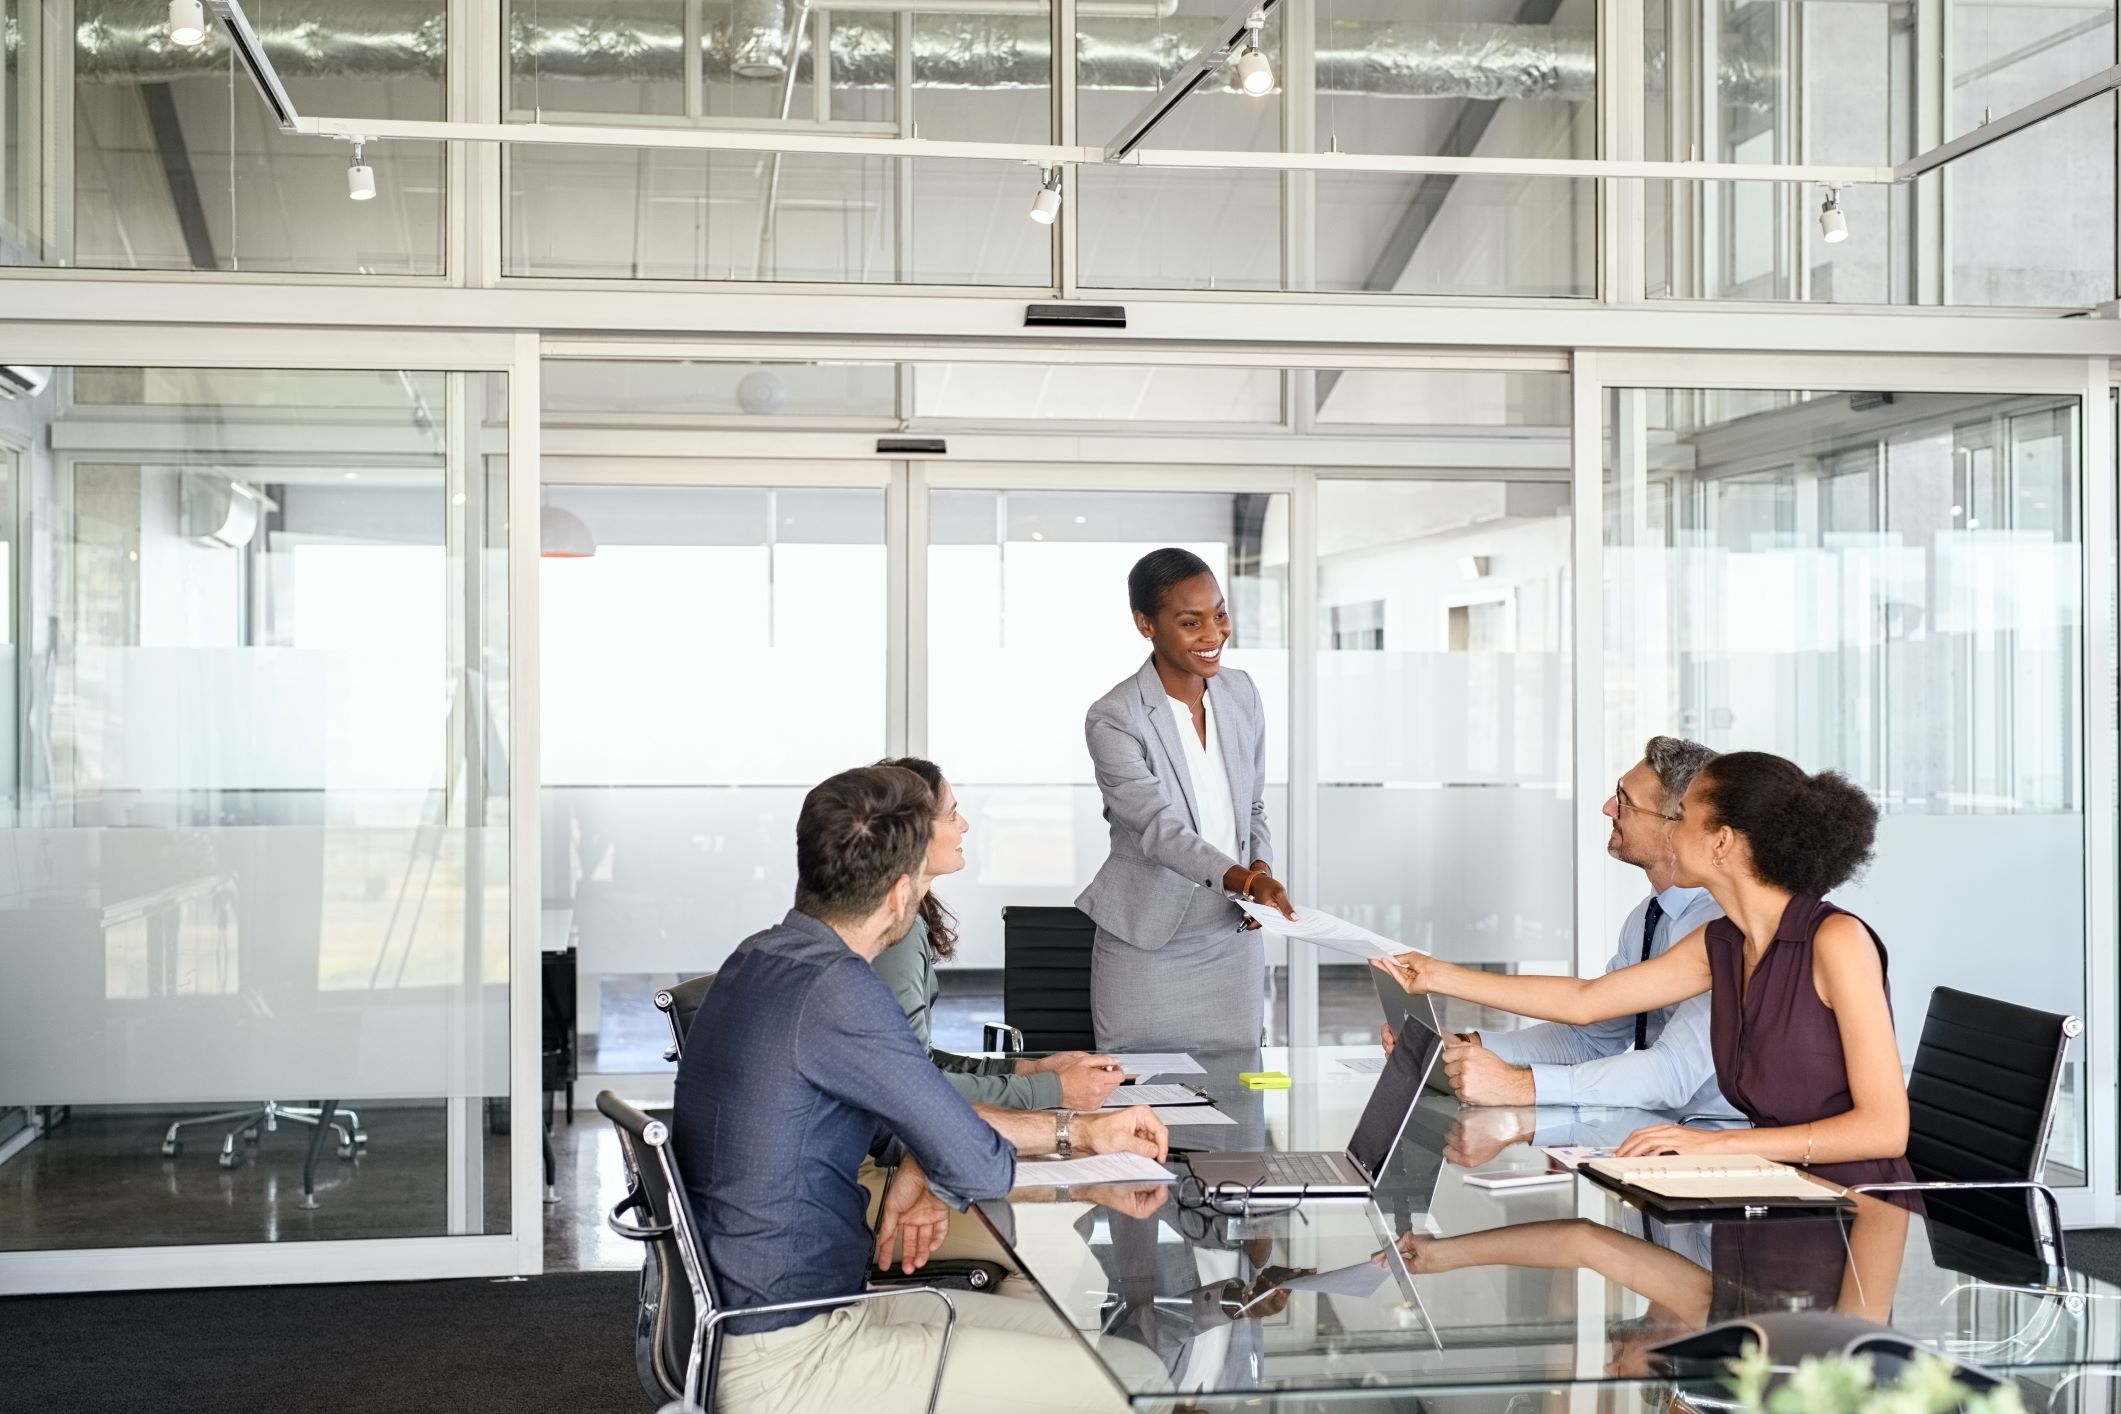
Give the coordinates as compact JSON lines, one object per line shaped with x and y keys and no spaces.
{"x":1801,"y":1019}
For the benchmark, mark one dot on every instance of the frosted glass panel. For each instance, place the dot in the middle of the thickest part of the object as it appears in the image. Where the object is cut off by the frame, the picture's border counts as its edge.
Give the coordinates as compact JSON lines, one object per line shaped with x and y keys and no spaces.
{"x":1444,"y":716}
{"x":259,"y":852}
{"x":1891,"y":589}
{"x":721,"y":653}
{"x":154,"y":967}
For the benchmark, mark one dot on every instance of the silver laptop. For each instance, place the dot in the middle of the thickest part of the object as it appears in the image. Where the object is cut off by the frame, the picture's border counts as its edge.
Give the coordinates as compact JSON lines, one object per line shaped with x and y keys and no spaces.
{"x":1353,"y":1173}
{"x":1399,"y":1004}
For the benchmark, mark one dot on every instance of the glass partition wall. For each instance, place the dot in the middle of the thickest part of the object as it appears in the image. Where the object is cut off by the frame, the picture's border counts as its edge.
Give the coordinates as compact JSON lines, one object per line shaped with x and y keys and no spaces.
{"x":255,"y":906}
{"x":1889,"y":585}
{"x":971,"y":612}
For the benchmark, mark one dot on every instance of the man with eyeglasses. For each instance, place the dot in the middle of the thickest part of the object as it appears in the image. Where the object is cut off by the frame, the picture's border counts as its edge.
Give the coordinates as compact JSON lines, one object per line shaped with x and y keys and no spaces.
{"x":1658,"y":1060}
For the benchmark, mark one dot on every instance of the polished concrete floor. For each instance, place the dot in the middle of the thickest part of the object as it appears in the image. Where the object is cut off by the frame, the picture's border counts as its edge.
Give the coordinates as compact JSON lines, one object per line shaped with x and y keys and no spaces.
{"x":99,"y":1180}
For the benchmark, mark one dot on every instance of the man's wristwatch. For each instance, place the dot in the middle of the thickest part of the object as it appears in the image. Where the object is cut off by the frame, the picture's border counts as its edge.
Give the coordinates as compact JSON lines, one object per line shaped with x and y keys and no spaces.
{"x":1061,"y":1121}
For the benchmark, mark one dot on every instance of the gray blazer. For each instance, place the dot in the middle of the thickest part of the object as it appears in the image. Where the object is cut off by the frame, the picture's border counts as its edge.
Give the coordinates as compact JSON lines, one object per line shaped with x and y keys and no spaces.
{"x":1158,"y":858}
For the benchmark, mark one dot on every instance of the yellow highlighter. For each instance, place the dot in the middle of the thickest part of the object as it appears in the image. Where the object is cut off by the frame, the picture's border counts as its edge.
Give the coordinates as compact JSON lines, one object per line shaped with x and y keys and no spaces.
{"x":1263,"y":1080}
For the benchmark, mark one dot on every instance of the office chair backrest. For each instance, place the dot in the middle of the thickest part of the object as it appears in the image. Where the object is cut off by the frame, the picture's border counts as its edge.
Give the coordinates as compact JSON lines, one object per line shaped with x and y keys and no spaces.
{"x":1981,"y":1098}
{"x":1046,"y":976}
{"x":680,"y":1004}
{"x":675,"y":1281}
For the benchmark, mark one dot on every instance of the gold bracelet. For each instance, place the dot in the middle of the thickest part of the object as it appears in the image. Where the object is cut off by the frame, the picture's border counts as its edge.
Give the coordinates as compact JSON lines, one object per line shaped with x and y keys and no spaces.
{"x":1807,"y":1161}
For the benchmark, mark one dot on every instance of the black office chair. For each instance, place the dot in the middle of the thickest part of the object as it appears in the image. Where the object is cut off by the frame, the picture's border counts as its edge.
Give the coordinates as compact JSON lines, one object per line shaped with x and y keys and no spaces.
{"x":679,"y":1004}
{"x":1981,"y":1101}
{"x":1045,"y":981}
{"x":678,"y":1340}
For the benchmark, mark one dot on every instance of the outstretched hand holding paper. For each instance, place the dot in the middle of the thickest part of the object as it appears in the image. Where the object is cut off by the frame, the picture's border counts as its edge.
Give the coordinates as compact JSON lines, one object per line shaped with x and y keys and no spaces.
{"x":1326,"y":931}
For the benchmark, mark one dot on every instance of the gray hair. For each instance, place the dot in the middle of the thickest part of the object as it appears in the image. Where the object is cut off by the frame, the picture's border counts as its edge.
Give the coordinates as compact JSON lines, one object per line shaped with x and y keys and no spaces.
{"x":1676,"y":761}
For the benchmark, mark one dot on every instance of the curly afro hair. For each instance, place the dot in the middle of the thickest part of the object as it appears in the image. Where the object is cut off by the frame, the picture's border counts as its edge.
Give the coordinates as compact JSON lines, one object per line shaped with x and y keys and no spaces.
{"x":1810,"y":834}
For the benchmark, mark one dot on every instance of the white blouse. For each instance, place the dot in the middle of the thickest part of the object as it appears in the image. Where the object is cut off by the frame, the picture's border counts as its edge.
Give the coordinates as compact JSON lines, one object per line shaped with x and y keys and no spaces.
{"x":1211,"y":780}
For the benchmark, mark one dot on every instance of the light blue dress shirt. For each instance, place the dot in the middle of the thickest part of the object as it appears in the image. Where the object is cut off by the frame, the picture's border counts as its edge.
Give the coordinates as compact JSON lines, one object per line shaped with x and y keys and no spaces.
{"x":1599,"y":1065}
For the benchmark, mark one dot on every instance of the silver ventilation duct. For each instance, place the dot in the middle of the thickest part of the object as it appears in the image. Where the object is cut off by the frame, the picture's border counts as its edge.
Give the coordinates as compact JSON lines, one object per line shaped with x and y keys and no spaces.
{"x":125,"y":40}
{"x":758,"y":31}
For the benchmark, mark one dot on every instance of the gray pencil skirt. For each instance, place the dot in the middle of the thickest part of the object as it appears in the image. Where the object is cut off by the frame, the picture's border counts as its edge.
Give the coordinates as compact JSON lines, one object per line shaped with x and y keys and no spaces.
{"x":1205,"y":990}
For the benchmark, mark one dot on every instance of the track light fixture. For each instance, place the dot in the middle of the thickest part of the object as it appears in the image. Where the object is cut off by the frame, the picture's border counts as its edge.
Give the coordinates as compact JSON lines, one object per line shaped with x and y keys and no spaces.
{"x":360,"y":178}
{"x":187,"y":23}
{"x":1045,"y":207}
{"x":1255,"y":73}
{"x":1833,"y":226}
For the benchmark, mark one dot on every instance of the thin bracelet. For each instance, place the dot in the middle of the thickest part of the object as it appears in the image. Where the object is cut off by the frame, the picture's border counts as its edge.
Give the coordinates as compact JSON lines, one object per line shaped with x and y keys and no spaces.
{"x":1250,"y":879}
{"x":1807,"y":1161}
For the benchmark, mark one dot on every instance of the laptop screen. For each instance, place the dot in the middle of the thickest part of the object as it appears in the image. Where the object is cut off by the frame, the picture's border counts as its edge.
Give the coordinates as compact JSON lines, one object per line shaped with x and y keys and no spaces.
{"x":1392,"y":1101}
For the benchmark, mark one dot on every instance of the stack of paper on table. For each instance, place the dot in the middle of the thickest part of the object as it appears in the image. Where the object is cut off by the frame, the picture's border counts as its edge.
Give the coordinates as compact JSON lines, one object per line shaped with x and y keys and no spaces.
{"x":1127,"y":1096}
{"x":1092,"y":1168}
{"x":1733,"y":1176}
{"x":1323,"y":929}
{"x":1158,"y":1063}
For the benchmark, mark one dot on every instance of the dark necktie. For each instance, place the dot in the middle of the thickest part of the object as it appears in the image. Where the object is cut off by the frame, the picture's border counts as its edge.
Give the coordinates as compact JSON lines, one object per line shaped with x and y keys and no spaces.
{"x":1650,"y":919}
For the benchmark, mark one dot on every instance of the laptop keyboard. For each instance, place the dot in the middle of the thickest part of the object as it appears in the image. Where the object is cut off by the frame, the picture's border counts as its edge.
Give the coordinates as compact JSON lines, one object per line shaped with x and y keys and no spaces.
{"x":1290,"y":1169}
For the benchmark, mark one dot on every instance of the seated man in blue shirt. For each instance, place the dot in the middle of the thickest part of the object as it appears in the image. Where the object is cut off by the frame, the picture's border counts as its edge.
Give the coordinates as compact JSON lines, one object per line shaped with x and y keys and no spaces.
{"x":1659,"y":1060}
{"x":800,"y":1065}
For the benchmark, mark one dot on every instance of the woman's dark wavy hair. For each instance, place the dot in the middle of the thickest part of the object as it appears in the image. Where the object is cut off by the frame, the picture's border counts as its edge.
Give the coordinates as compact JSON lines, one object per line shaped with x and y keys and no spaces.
{"x":1158,"y":573}
{"x":942,"y":923}
{"x":1810,"y":834}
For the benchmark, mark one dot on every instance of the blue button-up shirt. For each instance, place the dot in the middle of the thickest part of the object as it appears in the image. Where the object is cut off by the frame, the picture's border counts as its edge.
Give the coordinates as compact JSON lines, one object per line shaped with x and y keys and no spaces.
{"x":1599,"y":1065}
{"x":798,"y":1065}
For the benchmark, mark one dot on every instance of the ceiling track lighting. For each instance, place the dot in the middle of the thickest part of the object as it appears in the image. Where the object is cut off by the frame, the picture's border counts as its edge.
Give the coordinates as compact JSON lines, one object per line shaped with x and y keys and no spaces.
{"x":1255,"y":72}
{"x":1045,"y":207}
{"x":360,"y":178}
{"x":187,"y":23}
{"x":1833,"y":225}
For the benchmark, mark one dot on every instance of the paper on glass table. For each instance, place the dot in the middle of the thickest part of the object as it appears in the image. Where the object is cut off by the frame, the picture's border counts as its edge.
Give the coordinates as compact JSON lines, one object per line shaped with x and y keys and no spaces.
{"x":1364,"y":1065}
{"x":1361,"y":1279}
{"x":1191,"y":1116}
{"x":1314,"y":926}
{"x":1092,"y":1168}
{"x":1128,"y":1096}
{"x":1158,"y":1063}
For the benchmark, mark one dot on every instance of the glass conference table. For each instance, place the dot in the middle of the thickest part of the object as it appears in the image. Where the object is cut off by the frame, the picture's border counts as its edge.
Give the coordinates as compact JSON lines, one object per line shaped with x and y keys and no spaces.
{"x":1501,"y":1299}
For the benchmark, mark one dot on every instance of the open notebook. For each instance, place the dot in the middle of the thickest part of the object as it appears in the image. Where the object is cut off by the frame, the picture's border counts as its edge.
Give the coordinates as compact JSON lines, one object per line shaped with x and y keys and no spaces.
{"x":1723,"y":1179}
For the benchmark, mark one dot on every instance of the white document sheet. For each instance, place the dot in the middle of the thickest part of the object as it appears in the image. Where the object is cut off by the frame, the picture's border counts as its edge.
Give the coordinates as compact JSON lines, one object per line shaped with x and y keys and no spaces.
{"x":1361,"y":1279}
{"x":1159,"y":1063}
{"x":1127,"y":1096}
{"x":1091,"y":1168}
{"x":1364,"y":1065}
{"x":1192,"y":1116}
{"x":1323,"y":929}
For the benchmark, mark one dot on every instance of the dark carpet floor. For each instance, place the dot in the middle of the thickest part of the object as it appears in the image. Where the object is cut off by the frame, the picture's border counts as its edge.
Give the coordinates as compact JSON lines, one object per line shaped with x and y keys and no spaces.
{"x":551,"y":1345}
{"x":2096,"y":1252}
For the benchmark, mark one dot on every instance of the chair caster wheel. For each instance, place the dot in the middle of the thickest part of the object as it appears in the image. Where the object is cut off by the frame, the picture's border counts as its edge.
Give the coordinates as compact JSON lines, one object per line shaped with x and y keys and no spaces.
{"x":250,"y":1136}
{"x":172,"y":1147}
{"x":346,"y":1151}
{"x":230,"y":1160}
{"x":360,"y":1139}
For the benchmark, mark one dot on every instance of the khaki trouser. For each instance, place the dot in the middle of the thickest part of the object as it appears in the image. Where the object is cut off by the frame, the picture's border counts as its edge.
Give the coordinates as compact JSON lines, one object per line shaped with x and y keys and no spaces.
{"x":879,"y":1358}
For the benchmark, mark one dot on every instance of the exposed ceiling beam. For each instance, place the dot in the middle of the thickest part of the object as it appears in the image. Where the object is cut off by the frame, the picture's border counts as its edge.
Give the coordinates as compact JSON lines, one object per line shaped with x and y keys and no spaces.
{"x":177,"y":170}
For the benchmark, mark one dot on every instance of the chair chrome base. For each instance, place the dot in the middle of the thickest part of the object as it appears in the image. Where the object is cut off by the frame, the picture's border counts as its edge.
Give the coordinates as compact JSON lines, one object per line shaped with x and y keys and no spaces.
{"x":251,"y":1124}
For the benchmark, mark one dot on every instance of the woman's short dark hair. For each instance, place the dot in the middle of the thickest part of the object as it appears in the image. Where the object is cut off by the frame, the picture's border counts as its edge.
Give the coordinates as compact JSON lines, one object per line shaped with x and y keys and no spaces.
{"x":1159,"y":572}
{"x":1809,"y":834}
{"x":942,"y":923}
{"x":856,"y":835}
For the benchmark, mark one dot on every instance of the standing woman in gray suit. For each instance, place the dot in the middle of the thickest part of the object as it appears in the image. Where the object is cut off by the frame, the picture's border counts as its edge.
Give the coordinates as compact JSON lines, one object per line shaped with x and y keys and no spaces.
{"x":1180,"y":750}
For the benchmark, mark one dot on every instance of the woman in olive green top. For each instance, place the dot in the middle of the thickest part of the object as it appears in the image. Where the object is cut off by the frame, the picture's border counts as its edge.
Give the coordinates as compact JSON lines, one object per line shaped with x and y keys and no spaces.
{"x":1072,"y":1080}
